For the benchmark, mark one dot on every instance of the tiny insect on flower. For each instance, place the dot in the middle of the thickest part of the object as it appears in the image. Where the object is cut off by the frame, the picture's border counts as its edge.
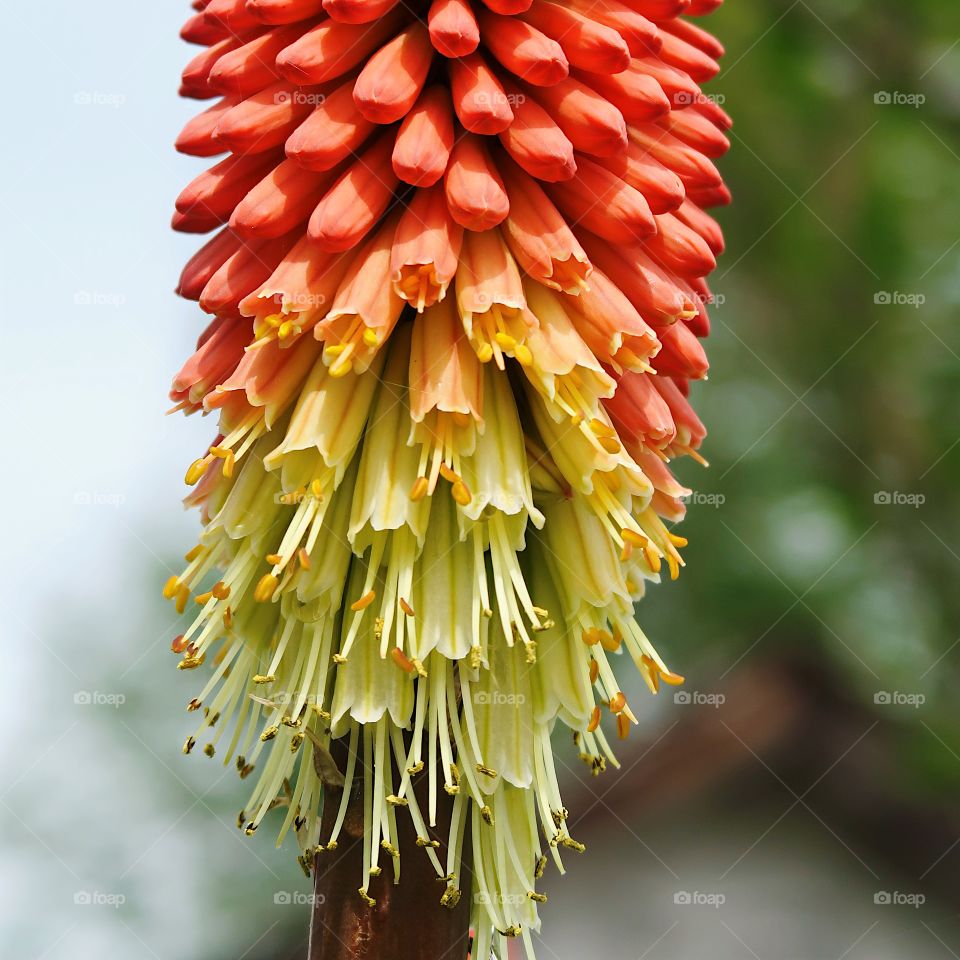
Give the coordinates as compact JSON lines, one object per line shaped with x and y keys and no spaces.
{"x":457,"y":297}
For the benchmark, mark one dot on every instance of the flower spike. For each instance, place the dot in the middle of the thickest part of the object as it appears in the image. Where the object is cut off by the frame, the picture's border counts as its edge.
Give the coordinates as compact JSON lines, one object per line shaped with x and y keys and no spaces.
{"x":456,"y":299}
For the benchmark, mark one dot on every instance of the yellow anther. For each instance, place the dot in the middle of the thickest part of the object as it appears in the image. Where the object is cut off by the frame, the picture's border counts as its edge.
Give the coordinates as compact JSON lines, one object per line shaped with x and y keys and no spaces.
{"x":220,"y":590}
{"x":594,"y":671}
{"x":274,"y":558}
{"x":274,"y":320}
{"x":202,"y":598}
{"x":448,"y":474}
{"x":228,"y":618}
{"x":341,"y":369}
{"x":264,"y":678}
{"x":623,"y":726}
{"x":600,"y":429}
{"x":229,"y":462}
{"x":450,"y":898}
{"x":316,"y":488}
{"x":364,"y":601}
{"x":286,"y":328}
{"x":594,"y":720}
{"x":194,"y":553}
{"x":505,"y":341}
{"x":196,"y":471}
{"x":170,"y":588}
{"x":334,"y":349}
{"x":610,"y":444}
{"x":304,"y":558}
{"x":677,"y":541}
{"x":590,"y":636}
{"x":522,"y":352}
{"x":461,"y":493}
{"x":673,"y":565}
{"x":419,"y":489}
{"x":183,"y":595}
{"x":484,"y":353}
{"x":577,"y":419}
{"x":371,"y":338}
{"x":634,"y":538}
{"x":402,"y":660}
{"x":674,"y":679}
{"x":406,"y":608}
{"x":609,"y":643}
{"x":265,"y":588}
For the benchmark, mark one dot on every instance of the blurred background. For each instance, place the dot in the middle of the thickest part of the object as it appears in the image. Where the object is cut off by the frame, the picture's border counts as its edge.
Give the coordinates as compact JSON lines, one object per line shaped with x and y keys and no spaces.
{"x":799,"y":798}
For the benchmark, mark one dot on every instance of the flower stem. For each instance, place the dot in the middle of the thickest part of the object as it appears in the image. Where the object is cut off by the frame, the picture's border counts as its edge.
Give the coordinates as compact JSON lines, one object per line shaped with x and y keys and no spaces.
{"x":407,"y":920}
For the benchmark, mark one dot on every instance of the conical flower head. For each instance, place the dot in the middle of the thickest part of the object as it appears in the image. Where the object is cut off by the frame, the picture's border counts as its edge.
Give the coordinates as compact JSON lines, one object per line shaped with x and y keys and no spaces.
{"x":457,"y":297}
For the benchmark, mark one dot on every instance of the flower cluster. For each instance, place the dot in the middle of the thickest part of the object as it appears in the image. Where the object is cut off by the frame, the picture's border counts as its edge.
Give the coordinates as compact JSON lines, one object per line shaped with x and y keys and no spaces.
{"x":458,"y":297}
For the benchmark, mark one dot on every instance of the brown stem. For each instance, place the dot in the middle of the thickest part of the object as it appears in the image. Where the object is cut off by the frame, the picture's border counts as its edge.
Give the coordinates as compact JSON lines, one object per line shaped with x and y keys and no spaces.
{"x":407,"y":920}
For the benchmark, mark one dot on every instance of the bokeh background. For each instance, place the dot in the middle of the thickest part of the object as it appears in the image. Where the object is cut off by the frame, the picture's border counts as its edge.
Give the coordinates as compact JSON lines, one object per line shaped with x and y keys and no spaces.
{"x":801,"y":801}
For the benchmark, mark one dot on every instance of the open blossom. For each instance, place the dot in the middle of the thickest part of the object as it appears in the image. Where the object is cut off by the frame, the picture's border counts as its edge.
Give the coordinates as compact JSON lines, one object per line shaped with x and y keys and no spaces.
{"x":457,"y":297}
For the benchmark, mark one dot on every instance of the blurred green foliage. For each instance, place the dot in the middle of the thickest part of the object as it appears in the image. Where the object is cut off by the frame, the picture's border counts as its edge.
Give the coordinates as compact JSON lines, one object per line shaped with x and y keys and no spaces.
{"x":824,"y":397}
